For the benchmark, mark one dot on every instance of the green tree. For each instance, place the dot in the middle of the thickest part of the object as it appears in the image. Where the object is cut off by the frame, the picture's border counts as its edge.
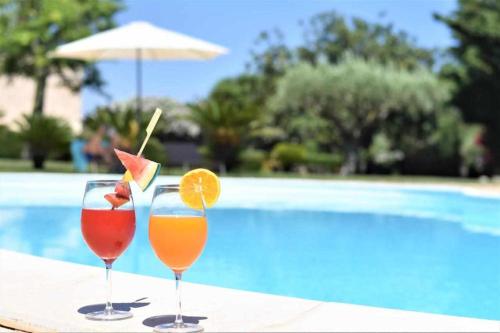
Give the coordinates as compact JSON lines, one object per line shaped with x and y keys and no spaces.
{"x":329,"y":36}
{"x":242,"y":92}
{"x":476,"y":67}
{"x":227,"y":118}
{"x":30,"y":29}
{"x":270,"y":58}
{"x":343,"y":106}
{"x":421,"y":142}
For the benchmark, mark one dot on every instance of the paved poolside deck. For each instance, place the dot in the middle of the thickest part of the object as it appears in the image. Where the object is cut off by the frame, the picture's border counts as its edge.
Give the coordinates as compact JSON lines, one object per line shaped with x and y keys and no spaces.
{"x":39,"y":294}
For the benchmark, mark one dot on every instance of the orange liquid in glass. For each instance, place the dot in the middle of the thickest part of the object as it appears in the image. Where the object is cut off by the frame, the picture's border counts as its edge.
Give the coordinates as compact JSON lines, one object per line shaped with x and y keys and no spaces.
{"x":178,"y":240}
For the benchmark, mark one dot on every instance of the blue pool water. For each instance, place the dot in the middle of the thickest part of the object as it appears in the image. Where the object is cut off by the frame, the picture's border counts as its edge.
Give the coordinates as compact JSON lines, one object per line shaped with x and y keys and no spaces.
{"x":391,"y":260}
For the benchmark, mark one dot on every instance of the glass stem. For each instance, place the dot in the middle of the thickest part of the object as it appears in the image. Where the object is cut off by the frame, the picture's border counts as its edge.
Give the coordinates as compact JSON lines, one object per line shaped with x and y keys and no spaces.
{"x":109,"y":305}
{"x":178,"y":317}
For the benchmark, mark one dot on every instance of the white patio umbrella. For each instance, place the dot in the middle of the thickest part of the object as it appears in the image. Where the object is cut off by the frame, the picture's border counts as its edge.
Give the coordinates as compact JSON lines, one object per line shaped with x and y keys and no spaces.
{"x":138,"y":41}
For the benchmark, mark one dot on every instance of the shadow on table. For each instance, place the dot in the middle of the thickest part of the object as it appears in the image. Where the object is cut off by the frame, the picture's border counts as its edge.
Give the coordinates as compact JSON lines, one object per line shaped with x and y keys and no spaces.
{"x":158,"y":320}
{"x":117,"y":306}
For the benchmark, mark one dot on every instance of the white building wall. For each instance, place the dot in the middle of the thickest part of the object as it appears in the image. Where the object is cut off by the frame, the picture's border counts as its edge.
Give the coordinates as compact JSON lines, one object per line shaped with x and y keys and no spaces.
{"x":17,"y":97}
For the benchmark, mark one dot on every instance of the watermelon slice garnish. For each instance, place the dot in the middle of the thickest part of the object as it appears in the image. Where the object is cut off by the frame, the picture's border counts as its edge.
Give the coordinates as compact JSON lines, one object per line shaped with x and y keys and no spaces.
{"x":120,"y":196}
{"x":122,"y":190}
{"x":143,"y":170}
{"x":116,"y":200}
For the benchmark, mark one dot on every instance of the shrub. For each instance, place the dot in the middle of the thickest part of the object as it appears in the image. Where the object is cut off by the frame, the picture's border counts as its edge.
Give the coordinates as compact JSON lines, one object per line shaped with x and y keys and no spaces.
{"x":288,"y":155}
{"x":46,"y":137}
{"x":252,"y":159}
{"x":472,"y":151}
{"x":11,"y":143}
{"x":323,"y":162}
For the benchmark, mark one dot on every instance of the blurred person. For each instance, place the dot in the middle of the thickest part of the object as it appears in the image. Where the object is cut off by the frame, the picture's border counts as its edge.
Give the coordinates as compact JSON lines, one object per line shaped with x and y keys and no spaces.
{"x":94,"y":149}
{"x":119,"y":142}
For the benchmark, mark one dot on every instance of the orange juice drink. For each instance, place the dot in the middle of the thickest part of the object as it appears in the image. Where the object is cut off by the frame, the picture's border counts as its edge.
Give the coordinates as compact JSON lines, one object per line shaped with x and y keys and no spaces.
{"x":178,"y":240}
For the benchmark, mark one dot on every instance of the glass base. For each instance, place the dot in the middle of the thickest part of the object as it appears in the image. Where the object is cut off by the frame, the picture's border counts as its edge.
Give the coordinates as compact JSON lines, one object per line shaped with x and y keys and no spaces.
{"x":108,"y":315}
{"x":175,"y":328}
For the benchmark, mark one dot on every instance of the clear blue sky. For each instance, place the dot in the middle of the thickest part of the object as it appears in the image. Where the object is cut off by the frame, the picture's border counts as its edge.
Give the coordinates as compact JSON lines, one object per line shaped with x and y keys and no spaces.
{"x":235,"y":24}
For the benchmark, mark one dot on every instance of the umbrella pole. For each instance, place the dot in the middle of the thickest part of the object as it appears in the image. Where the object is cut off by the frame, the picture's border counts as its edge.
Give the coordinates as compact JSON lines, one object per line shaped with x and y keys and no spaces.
{"x":138,"y":75}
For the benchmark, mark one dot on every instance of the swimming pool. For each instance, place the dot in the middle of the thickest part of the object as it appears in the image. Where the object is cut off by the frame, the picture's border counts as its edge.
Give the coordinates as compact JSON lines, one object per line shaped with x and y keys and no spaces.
{"x":382,"y":245}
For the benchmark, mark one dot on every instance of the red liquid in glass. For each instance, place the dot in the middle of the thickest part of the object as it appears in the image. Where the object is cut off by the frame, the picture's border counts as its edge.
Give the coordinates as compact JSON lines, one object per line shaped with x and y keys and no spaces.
{"x":108,"y":232}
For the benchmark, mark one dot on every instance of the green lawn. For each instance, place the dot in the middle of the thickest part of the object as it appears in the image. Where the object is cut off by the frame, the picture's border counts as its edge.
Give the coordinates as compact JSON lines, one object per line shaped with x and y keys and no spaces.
{"x":26,"y":166}
{"x":8,"y":165}
{"x":376,"y":178}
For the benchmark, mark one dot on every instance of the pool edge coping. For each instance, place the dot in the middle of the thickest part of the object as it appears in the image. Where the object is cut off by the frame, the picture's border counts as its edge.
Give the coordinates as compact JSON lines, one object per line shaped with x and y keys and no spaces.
{"x":299,"y":312}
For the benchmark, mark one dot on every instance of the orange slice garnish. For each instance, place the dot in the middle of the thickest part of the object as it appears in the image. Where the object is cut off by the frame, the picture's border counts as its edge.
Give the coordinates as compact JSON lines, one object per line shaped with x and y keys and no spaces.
{"x":198,"y":184}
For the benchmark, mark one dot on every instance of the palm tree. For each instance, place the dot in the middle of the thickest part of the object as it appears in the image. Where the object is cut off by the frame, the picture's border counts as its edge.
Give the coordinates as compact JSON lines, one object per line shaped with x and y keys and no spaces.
{"x":45,"y":136}
{"x":224,"y":130}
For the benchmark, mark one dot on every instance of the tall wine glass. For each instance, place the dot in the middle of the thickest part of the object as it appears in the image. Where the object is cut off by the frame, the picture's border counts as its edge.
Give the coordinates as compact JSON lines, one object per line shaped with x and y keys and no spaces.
{"x":177,"y":234}
{"x":107,"y":231}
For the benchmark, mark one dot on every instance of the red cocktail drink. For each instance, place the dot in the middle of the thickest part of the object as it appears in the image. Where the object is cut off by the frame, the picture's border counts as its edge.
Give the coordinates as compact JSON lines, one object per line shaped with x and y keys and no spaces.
{"x":108,"y":226}
{"x":108,"y":232}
